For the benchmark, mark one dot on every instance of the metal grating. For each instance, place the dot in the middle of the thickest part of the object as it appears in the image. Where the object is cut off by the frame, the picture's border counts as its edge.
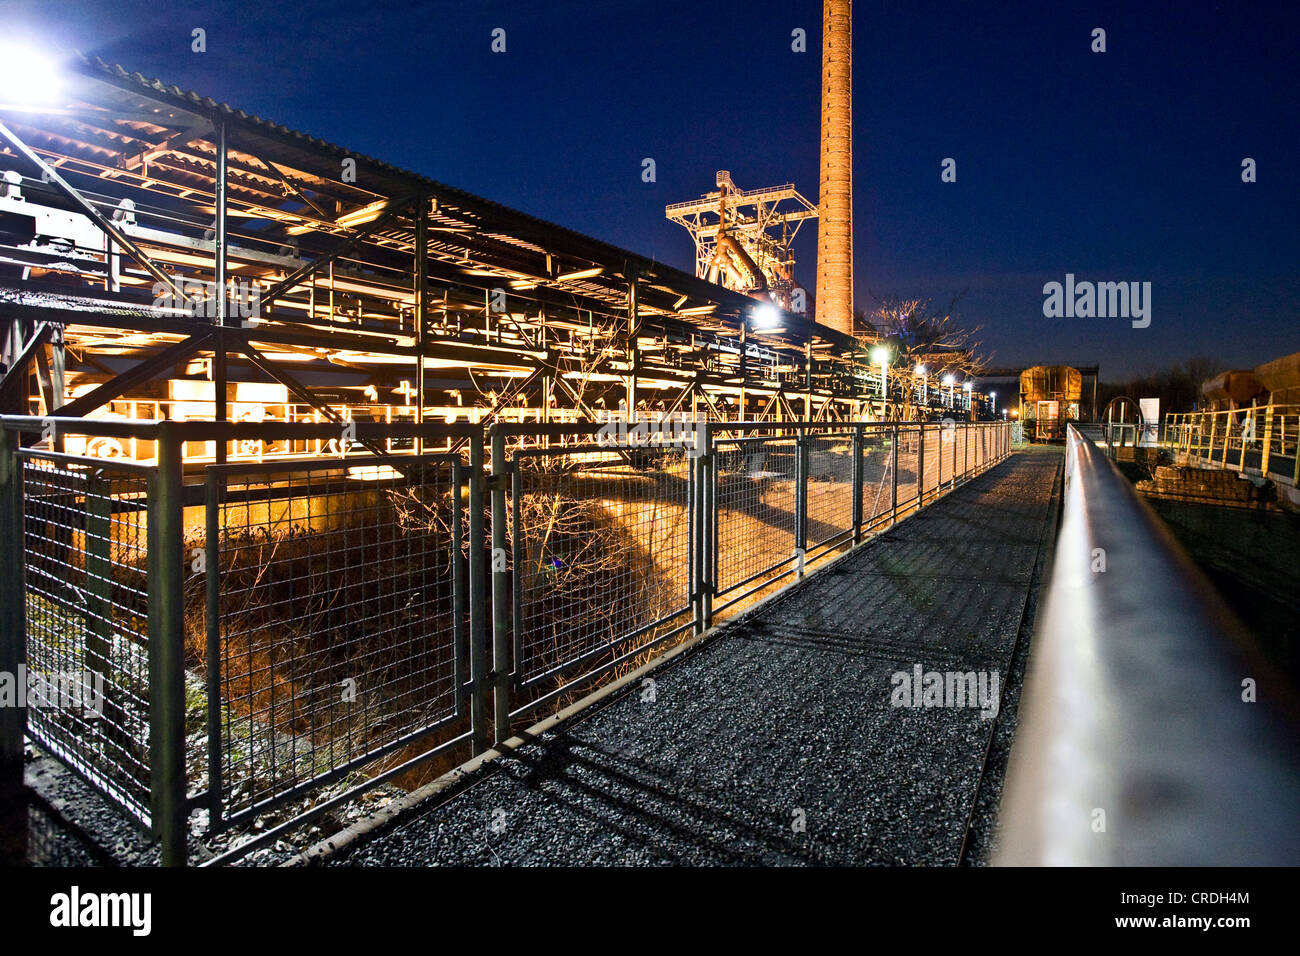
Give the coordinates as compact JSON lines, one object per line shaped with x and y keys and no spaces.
{"x":601,"y":550}
{"x":85,"y":549}
{"x":339,"y":631}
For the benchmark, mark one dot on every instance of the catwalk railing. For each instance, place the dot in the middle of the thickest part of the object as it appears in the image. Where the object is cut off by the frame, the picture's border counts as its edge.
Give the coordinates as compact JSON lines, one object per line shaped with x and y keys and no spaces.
{"x":1150,"y":733}
{"x":228,"y":639}
{"x":1260,"y":440}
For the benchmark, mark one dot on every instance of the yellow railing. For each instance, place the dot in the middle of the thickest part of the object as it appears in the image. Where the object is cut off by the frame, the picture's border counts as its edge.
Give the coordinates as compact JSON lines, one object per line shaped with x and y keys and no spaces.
{"x":1259,"y":440}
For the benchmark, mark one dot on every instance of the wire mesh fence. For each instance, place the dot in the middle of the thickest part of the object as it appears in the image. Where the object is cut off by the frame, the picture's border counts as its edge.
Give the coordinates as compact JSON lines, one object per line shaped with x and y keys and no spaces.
{"x":879,"y":470}
{"x":338,"y":626}
{"x":597,"y":537}
{"x":85,"y":549}
{"x":756,"y":494}
{"x":248,"y":632}
{"x":830,"y":487}
{"x":908,"y":467}
{"x":931,"y":458}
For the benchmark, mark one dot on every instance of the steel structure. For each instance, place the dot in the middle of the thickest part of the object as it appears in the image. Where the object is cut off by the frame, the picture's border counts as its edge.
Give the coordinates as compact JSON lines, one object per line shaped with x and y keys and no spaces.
{"x":743,"y":238}
{"x":354,"y":290}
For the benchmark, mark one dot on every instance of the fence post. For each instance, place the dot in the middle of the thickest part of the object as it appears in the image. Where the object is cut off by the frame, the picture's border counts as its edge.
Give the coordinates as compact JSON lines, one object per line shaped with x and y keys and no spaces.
{"x":711,"y":528}
{"x":893,"y":469}
{"x":1268,"y":441}
{"x":1241,"y":461}
{"x":500,"y":592}
{"x":1295,"y":453}
{"x":478,"y":675}
{"x":920,"y":465}
{"x":702,"y":523}
{"x":13,"y":610}
{"x":857,"y":483}
{"x":166,"y":563}
{"x":801,"y":442}
{"x":212,"y":486}
{"x":698,"y":515}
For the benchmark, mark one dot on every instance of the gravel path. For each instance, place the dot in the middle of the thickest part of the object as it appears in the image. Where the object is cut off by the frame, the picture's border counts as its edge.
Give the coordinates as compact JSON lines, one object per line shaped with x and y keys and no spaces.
{"x":776,"y":742}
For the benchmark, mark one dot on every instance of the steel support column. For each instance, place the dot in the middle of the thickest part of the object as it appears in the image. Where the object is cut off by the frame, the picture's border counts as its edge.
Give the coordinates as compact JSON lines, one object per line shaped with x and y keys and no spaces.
{"x":167,"y":782}
{"x":478,"y":601}
{"x":220,"y":244}
{"x":13,"y":612}
{"x":421,"y":309}
{"x":501,"y":585}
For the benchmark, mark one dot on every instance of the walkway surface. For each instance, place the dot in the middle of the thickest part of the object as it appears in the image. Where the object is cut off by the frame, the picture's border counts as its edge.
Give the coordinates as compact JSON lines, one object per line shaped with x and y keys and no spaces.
{"x":779,"y":742}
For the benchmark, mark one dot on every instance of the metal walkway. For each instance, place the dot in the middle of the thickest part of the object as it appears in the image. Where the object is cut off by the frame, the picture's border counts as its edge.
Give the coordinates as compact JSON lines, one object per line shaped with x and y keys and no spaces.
{"x":776,"y":742}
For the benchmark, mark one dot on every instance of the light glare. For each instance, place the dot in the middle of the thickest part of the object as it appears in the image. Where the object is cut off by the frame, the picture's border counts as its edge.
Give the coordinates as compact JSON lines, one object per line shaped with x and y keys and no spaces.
{"x":27,"y":77}
{"x":766,"y":316}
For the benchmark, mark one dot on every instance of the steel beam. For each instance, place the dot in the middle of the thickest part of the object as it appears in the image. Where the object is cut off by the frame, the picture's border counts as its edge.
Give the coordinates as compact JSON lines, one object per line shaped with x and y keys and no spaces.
{"x":17,"y":373}
{"x":392,"y":209}
{"x":219,"y":248}
{"x":51,"y":175}
{"x":79,"y":407}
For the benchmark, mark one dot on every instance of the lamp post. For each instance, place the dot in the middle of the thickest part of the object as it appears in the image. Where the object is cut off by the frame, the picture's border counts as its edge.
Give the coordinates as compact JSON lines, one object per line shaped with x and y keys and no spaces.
{"x":966,"y":386}
{"x":925,"y":384}
{"x":993,"y":402}
{"x":948,"y":380}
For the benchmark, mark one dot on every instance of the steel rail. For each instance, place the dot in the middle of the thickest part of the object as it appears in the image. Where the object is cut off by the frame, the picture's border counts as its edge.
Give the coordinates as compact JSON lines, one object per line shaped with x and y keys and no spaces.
{"x":1136,"y":744}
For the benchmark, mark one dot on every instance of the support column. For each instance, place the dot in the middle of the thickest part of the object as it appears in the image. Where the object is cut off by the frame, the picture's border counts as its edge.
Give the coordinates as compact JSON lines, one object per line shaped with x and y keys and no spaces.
{"x":13,"y":623}
{"x":220,"y":250}
{"x":633,"y":353}
{"x":167,"y":650}
{"x":421,"y":310}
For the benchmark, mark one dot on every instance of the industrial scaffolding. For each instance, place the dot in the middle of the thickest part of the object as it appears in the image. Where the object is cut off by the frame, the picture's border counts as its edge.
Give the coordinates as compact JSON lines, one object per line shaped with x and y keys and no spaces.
{"x":354,"y":291}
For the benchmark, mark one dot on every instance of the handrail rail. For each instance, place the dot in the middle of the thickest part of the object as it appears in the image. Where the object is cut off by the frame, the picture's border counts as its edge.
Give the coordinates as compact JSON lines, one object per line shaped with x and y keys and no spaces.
{"x":1262,"y":440}
{"x":1135,"y":745}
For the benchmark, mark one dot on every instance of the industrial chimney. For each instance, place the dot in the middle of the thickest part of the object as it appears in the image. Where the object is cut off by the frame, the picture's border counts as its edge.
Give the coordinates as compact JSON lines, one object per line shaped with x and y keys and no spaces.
{"x":835,"y":229}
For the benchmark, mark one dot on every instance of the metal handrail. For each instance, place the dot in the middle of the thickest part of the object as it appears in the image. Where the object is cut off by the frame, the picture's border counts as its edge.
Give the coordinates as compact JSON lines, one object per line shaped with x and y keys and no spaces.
{"x":1262,"y":440}
{"x":1135,"y":745}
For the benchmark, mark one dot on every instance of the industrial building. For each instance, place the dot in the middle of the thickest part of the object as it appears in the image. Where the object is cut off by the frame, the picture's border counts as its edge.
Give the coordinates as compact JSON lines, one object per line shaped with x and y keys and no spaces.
{"x":355,"y":291}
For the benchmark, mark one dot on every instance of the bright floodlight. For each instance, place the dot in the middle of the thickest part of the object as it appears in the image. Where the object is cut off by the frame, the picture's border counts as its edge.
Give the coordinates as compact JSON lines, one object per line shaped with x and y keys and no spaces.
{"x":947,"y":380}
{"x":27,"y":77}
{"x":920,"y":370}
{"x":766,"y":316}
{"x":966,"y":386}
{"x":880,"y":356}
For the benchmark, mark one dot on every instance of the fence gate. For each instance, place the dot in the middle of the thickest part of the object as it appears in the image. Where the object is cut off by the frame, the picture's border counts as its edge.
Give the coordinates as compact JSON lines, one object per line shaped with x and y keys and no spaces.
{"x":85,"y":604}
{"x":336,"y":620}
{"x":593,"y":551}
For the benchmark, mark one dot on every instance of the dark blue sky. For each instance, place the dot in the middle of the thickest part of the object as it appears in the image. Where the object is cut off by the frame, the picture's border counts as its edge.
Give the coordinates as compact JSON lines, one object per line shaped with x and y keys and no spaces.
{"x":1117,"y":166}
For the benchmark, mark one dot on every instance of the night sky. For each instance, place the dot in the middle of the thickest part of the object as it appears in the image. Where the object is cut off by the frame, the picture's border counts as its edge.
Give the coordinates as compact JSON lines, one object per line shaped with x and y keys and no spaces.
{"x":1122,"y":166}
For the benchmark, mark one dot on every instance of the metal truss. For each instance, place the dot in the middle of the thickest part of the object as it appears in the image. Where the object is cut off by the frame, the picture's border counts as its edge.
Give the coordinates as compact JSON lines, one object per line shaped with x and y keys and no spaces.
{"x":181,"y":259}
